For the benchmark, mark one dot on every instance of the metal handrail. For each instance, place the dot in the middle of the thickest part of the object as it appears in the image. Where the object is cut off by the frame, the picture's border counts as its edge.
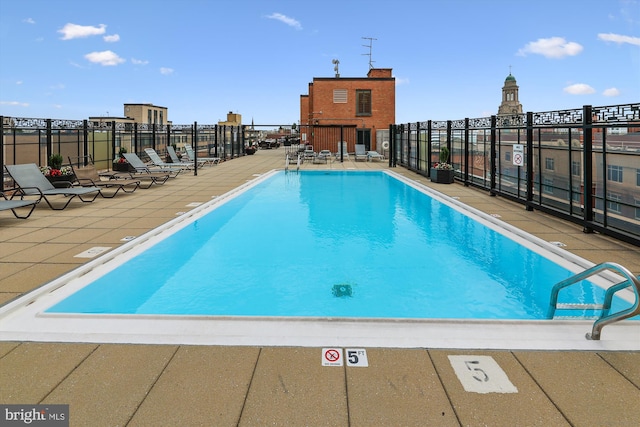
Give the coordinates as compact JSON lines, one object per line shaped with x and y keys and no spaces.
{"x":605,"y":317}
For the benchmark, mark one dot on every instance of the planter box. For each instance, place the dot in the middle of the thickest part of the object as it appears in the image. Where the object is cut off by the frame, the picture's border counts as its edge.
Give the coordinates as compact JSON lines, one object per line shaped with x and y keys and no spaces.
{"x":61,"y":181}
{"x":122,"y":167}
{"x":441,"y":176}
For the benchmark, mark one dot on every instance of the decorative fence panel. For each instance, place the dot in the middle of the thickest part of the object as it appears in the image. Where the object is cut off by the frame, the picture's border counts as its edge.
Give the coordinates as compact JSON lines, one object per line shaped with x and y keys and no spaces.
{"x":582,"y":165}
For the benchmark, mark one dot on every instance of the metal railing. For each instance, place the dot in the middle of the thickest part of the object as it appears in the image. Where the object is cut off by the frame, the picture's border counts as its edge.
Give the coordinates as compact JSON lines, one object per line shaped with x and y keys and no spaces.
{"x":582,"y":165}
{"x":605,"y":318}
{"x":34,"y":140}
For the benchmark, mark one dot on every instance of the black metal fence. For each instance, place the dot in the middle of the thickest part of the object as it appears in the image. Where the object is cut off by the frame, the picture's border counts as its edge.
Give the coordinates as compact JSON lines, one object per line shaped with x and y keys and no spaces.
{"x":28,"y":140}
{"x":582,"y":165}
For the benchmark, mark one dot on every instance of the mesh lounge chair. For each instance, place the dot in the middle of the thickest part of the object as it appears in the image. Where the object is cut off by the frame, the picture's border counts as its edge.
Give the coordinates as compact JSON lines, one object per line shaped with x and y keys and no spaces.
{"x":157,"y":161}
{"x":374,"y":155}
{"x":177,"y":162}
{"x":6,"y":204}
{"x":206,"y":160}
{"x":31,"y":182}
{"x":87,"y":176}
{"x":159,"y":175}
{"x":361,"y":153}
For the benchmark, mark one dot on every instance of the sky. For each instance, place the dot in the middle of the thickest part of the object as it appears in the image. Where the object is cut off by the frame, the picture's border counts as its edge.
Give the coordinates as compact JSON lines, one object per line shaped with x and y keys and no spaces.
{"x":71,"y":59}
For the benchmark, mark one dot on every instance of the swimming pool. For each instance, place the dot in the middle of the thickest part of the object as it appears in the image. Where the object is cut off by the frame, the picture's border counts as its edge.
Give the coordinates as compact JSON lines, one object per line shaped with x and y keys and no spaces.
{"x":332,"y":244}
{"x":347,"y":313}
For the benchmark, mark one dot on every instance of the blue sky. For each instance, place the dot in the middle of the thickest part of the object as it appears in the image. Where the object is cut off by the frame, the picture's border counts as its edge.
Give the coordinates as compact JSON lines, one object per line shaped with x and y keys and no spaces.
{"x":70,"y":59}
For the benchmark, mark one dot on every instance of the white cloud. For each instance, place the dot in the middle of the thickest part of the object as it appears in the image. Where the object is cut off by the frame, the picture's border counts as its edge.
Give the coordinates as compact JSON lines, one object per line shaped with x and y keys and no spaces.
{"x":15,"y":103}
{"x":612,"y":91}
{"x":166,"y":71}
{"x":106,"y":57}
{"x":554,"y":47}
{"x":74,"y":31}
{"x":619,"y":38}
{"x":29,"y":21}
{"x":19,"y":82}
{"x":402,"y":81}
{"x":111,"y":39}
{"x":139,"y":61}
{"x":285,"y":19}
{"x":579,"y":89}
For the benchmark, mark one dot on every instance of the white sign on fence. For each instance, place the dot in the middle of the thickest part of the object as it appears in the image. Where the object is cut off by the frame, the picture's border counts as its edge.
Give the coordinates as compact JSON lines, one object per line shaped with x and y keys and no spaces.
{"x":518,"y":155}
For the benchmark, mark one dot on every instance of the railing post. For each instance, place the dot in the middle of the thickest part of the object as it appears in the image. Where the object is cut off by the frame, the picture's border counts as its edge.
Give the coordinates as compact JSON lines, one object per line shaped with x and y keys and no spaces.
{"x":85,"y":141}
{"x":153,"y":136}
{"x":2,"y":150}
{"x":429,"y":147}
{"x":587,"y":132}
{"x":392,"y":137}
{"x":494,"y":154}
{"x":466,"y":152}
{"x":135,"y":137}
{"x":529,"y":157}
{"x":418,"y":146}
{"x":195,"y":150}
{"x":49,"y":141}
{"x":449,"y":133}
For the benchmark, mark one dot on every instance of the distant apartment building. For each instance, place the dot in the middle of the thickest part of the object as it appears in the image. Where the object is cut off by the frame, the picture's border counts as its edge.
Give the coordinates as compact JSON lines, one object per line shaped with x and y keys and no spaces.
{"x":147,"y":113}
{"x":360,"y":108}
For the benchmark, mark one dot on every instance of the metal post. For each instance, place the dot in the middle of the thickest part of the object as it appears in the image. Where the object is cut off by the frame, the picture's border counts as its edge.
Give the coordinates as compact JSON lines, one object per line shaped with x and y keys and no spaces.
{"x":49,"y":141}
{"x":587,"y":132}
{"x":341,"y":143}
{"x":85,"y":141}
{"x":195,"y":149}
{"x":429,"y":148}
{"x":529,"y":157}
{"x":466,"y":152}
{"x":492,"y":162}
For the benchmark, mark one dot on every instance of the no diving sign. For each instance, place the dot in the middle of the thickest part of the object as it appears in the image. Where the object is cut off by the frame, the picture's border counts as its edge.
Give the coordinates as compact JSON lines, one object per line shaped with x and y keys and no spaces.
{"x":355,"y":357}
{"x":518,"y":154}
{"x":332,"y":357}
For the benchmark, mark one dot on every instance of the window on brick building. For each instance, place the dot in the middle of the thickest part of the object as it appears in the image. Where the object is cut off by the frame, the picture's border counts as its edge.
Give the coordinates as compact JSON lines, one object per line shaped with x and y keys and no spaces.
{"x":363,"y":102}
{"x":339,"y":96}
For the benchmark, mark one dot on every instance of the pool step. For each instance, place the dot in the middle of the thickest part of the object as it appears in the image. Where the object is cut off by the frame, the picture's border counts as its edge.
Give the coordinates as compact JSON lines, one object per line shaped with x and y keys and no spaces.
{"x":575,"y":317}
{"x":566,"y":306}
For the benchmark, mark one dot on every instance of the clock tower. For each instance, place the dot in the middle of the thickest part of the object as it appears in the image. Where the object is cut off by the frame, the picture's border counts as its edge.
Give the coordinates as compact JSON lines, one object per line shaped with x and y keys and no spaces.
{"x":510,"y":103}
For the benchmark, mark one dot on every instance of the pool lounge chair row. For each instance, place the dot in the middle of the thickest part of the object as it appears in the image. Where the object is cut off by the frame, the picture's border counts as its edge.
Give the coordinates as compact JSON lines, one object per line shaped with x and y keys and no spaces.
{"x":32,"y":186}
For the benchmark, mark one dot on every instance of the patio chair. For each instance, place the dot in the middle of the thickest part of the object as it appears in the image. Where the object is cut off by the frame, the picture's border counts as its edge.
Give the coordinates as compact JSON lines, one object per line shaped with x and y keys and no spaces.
{"x":206,"y":160}
{"x":361,"y":153}
{"x":342,"y":150}
{"x":175,"y":160}
{"x":374,"y":155}
{"x":12,"y":205}
{"x":323,"y":156}
{"x":158,"y":162}
{"x":87,"y":176}
{"x":309,"y":153}
{"x":141,"y":168}
{"x":31,"y":182}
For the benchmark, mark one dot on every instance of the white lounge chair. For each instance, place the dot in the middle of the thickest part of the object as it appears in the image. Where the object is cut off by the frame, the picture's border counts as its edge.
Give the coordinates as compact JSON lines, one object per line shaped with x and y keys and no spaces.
{"x":342,"y":151}
{"x":361,"y":153}
{"x":158,"y":162}
{"x":374,"y":155}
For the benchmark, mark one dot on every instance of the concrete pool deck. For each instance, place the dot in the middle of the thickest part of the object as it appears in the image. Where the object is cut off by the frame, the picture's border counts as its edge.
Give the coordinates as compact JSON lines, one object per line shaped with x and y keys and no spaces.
{"x":126,"y":384}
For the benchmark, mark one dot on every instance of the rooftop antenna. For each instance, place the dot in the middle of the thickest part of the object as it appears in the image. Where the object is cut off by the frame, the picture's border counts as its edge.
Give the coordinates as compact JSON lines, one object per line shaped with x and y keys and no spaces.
{"x":370,"y":46}
{"x":336,"y":63}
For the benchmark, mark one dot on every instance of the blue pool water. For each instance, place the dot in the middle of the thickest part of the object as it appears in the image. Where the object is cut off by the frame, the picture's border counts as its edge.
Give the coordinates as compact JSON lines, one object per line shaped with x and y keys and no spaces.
{"x":332,"y":244}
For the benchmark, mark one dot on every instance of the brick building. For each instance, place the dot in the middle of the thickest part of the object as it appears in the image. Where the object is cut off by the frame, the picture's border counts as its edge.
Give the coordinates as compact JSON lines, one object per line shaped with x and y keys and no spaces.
{"x":357,"y":110}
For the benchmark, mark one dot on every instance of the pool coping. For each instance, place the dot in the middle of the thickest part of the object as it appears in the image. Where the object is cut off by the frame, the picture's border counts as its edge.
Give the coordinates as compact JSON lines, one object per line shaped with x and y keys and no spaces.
{"x":22,"y":319}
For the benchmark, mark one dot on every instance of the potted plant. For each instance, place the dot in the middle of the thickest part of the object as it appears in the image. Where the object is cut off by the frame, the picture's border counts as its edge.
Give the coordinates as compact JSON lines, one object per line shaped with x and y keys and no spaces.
{"x":55,"y":172}
{"x":442,"y":172}
{"x":120,"y":164}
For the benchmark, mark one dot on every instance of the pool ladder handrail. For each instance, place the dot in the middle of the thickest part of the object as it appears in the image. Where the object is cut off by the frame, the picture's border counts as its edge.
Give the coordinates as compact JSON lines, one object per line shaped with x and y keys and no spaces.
{"x":605,"y":318}
{"x":286,"y":163}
